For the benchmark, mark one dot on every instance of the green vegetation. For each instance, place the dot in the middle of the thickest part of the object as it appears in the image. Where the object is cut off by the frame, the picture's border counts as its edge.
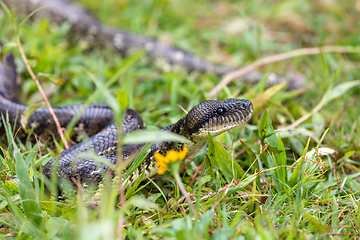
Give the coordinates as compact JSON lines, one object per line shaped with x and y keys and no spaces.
{"x":258,"y":184}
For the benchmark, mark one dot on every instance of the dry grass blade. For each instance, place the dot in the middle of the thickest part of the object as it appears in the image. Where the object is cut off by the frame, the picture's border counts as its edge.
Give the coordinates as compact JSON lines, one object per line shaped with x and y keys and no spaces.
{"x":280,"y":57}
{"x":46,"y":100}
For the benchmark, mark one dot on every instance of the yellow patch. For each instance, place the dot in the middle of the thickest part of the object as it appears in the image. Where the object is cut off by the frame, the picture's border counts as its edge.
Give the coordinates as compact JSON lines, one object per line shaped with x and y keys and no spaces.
{"x":170,"y":157}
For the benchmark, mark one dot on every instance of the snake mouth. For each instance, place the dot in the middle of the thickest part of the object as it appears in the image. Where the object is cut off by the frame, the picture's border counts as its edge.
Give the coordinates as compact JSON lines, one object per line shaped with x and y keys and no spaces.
{"x":221,"y":124}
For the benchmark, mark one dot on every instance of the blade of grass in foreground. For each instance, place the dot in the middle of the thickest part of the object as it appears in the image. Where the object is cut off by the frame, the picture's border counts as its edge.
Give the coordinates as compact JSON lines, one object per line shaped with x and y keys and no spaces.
{"x":33,"y":219}
{"x":220,"y":158}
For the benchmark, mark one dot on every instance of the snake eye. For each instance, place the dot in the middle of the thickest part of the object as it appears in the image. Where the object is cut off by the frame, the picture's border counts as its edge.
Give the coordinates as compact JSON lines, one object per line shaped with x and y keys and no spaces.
{"x":220,"y":111}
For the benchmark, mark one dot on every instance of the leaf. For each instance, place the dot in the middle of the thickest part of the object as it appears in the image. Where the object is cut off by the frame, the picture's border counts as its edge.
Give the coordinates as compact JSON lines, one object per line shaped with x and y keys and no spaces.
{"x":25,"y":116}
{"x":51,"y":77}
{"x":6,"y":9}
{"x":204,"y":180}
{"x":15,"y":209}
{"x":335,"y":224}
{"x":224,"y":233}
{"x":280,"y":160}
{"x":131,"y":60}
{"x":254,"y":160}
{"x":294,"y":179}
{"x":249,"y":151}
{"x":143,"y":203}
{"x":319,"y":124}
{"x":222,"y":160}
{"x":281,"y":156}
{"x":271,"y":136}
{"x":133,"y":188}
{"x":29,"y":16}
{"x":145,"y":136}
{"x":340,"y":89}
{"x":122,"y":99}
{"x":6,"y":48}
{"x":30,"y":205}
{"x":265,"y":96}
{"x":263,"y":125}
{"x":348,"y":154}
{"x":60,"y":81}
{"x":242,"y":184}
{"x":28,"y":198}
{"x":316,"y":223}
{"x":139,"y":159}
{"x":205,"y":220}
{"x":295,"y":176}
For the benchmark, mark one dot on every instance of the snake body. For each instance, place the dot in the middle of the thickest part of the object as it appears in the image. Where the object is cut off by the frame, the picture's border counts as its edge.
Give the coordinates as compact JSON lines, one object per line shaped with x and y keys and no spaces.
{"x":94,"y":33}
{"x":209,"y":117}
{"x":93,"y":119}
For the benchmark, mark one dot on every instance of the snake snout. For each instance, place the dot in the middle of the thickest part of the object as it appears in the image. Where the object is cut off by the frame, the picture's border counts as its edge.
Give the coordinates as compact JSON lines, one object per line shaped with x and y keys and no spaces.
{"x":243,"y":111}
{"x":249,"y":106}
{"x":246,"y":105}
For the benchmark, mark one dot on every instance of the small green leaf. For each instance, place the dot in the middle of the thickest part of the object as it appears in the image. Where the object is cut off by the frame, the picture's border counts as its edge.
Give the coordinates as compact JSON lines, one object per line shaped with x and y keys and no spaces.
{"x":205,"y":220}
{"x":131,"y":60}
{"x":220,"y":158}
{"x":254,"y":160}
{"x":30,"y":205}
{"x":280,"y":160}
{"x":6,"y":48}
{"x":139,"y":159}
{"x":340,"y":89}
{"x":25,"y":116}
{"x":249,"y":151}
{"x":335,"y":219}
{"x":15,"y":209}
{"x":145,"y":136}
{"x":263,"y":125}
{"x":319,"y":124}
{"x":242,"y":184}
{"x":224,"y":233}
{"x":29,"y":16}
{"x":122,"y":99}
{"x":316,"y":222}
{"x":294,"y":179}
{"x":349,"y":154}
{"x":142,"y":203}
{"x":52,"y":77}
{"x":204,"y":180}
{"x":6,"y":9}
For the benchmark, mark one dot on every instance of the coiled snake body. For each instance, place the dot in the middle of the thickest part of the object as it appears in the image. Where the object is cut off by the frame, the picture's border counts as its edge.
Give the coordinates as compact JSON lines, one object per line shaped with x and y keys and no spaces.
{"x":211,"y":116}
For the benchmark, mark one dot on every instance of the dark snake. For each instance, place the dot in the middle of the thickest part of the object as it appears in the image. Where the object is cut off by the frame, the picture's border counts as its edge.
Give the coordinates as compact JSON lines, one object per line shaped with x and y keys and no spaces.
{"x":97,"y":120}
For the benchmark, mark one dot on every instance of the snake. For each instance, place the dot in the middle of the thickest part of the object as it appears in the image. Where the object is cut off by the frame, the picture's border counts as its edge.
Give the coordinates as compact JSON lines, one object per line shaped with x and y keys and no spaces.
{"x":210,"y":117}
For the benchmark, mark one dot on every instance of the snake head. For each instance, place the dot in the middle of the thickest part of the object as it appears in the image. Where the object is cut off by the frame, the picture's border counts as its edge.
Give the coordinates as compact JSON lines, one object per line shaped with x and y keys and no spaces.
{"x":216,"y":117}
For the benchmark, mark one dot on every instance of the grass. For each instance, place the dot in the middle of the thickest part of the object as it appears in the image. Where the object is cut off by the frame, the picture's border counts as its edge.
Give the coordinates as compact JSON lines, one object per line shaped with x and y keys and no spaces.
{"x":265,"y":186}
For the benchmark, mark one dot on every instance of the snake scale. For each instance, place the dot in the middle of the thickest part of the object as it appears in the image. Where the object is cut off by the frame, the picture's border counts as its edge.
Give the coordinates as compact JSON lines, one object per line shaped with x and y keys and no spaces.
{"x":97,"y":120}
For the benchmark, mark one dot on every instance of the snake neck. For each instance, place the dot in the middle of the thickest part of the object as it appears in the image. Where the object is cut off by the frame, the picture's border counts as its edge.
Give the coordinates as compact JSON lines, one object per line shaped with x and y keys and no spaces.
{"x":181,"y":128}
